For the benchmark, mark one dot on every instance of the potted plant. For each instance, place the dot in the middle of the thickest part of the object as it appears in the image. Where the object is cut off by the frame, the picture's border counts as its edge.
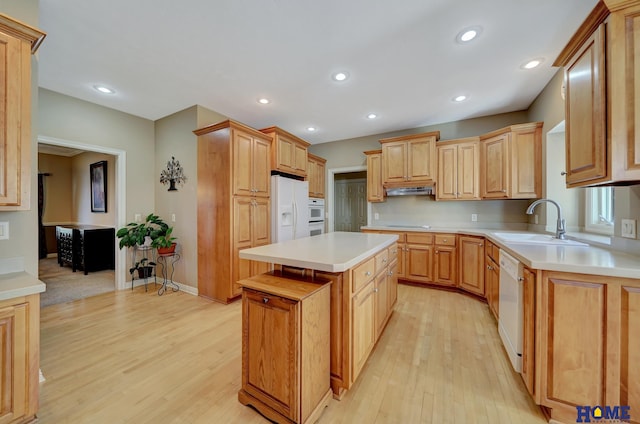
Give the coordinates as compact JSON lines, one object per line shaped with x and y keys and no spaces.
{"x":144,"y":268}
{"x":165,"y":243}
{"x":142,"y":233}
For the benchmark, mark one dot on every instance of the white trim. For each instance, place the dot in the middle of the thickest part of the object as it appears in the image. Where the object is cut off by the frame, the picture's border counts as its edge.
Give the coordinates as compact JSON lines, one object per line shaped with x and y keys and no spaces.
{"x":121,"y":193}
{"x":592,"y":224}
{"x":330,"y":192}
{"x":183,"y":287}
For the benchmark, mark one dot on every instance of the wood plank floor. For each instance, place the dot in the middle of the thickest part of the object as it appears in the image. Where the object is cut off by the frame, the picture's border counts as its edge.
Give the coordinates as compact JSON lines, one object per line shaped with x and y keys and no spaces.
{"x":136,"y":357}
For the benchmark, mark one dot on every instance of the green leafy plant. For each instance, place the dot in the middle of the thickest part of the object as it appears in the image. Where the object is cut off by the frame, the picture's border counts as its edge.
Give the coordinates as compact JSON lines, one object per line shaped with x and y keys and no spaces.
{"x":144,"y":268}
{"x":134,"y":233}
{"x":164,"y":240}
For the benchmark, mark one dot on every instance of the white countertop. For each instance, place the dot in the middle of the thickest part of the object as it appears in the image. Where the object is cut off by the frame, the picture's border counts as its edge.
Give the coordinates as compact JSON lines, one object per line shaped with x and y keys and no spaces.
{"x":330,"y":252}
{"x":16,"y":284}
{"x":579,"y":259}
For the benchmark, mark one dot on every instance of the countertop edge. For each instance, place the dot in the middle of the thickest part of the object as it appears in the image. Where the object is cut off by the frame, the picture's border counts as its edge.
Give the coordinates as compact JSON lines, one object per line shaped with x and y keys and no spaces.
{"x":17,"y":284}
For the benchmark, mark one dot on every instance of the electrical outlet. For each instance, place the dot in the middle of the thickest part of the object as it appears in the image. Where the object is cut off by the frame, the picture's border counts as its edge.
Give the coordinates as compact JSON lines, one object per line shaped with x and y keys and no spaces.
{"x":474,"y":217}
{"x":628,"y":228}
{"x":137,"y":217}
{"x":4,"y":230}
{"x":173,"y":217}
{"x":376,"y":216}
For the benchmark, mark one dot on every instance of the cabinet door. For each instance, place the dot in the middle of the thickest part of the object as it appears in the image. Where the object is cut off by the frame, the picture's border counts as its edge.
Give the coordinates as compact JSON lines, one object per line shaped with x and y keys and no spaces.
{"x":394,"y":167}
{"x":494,"y":167}
{"x":260,"y":222}
{"x":529,"y":329}
{"x":574,"y":339}
{"x":444,"y":265}
{"x":375,"y":192}
{"x":585,"y":110}
{"x":286,"y":154}
{"x":402,"y":264}
{"x":242,"y":164}
{"x":13,"y":362}
{"x":472,"y":264}
{"x":419,"y":262}
{"x":492,"y":278}
{"x":468,"y":171}
{"x":261,"y":165}
{"x":300,"y":162}
{"x":392,"y":276}
{"x":630,"y":350}
{"x":381,"y":291}
{"x":421,"y":160}
{"x":447,"y":187}
{"x":320,"y":179}
{"x":363,"y":335}
{"x":242,"y":239}
{"x":269,"y":350}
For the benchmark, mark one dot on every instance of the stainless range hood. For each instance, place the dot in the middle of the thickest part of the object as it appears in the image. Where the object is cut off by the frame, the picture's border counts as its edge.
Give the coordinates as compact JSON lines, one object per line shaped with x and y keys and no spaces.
{"x":409,"y":191}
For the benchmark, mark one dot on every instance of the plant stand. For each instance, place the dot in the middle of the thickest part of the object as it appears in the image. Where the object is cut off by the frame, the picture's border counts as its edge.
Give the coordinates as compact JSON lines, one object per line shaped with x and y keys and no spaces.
{"x":168,"y":260}
{"x":139,"y":253}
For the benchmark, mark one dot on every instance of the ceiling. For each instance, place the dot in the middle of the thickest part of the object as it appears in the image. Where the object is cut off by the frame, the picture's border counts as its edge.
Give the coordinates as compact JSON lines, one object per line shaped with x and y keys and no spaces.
{"x":403,"y":61}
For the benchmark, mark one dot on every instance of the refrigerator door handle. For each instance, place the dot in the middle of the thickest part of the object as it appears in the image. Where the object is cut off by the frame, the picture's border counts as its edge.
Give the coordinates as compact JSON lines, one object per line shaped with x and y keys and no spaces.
{"x":295,"y":218}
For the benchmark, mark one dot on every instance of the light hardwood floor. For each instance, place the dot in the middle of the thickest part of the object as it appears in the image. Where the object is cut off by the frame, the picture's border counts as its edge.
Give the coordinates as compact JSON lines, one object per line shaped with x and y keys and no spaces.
{"x":136,"y":357}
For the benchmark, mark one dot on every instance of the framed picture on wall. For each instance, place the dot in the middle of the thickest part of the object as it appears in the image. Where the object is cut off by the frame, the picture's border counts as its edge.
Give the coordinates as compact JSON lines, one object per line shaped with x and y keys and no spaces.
{"x":98,"y":173}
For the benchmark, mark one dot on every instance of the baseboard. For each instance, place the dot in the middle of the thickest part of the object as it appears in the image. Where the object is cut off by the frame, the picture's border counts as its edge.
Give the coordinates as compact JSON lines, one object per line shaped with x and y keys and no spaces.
{"x":52,"y":255}
{"x":183,"y":287}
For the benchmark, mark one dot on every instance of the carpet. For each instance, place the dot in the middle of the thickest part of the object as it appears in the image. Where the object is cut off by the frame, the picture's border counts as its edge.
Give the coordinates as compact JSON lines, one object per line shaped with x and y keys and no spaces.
{"x":64,"y":285}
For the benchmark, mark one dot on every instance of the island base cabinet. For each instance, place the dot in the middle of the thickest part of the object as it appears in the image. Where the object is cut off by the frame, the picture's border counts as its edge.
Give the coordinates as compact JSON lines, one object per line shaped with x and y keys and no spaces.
{"x":285,"y":348}
{"x":364,"y":329}
{"x":589,"y":343}
{"x":19,"y":333}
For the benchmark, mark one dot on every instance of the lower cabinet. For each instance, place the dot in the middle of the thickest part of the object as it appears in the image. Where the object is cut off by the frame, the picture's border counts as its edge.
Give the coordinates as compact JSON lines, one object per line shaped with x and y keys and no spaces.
{"x":471,"y":275}
{"x":492,"y":279}
{"x":19,"y":362}
{"x":419,"y":257}
{"x":445,"y":261}
{"x":589,"y":339}
{"x":529,"y":329}
{"x":363,"y":307}
{"x":285,"y":347}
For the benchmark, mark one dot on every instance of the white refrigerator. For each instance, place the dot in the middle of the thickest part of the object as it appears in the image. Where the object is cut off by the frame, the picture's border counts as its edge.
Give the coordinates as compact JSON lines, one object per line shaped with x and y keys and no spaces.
{"x":289,"y":209}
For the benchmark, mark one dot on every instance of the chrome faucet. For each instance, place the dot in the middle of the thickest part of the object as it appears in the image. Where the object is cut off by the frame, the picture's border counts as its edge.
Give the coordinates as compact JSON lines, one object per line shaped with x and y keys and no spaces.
{"x":560,"y":226}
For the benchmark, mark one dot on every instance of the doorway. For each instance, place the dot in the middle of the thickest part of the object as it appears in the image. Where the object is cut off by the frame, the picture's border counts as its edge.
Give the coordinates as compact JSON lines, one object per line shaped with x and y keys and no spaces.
{"x":347,"y":205}
{"x":119,"y":200}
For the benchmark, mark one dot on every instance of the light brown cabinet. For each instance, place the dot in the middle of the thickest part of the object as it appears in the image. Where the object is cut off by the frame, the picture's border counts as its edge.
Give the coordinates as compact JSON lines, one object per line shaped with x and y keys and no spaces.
{"x":19,"y":363}
{"x":511,"y":162}
{"x":445,"y":260}
{"x":472,"y":266}
{"x":233,"y":205}
{"x":316,"y":176}
{"x":529,"y":329}
{"x":288,"y":152}
{"x":419,"y":257}
{"x":409,"y":160}
{"x":589,"y":342}
{"x":363,"y":308}
{"x":285,"y":347}
{"x":18,"y":42}
{"x":601,"y":105}
{"x":492,"y":277}
{"x":375,"y":191}
{"x":458,"y":169}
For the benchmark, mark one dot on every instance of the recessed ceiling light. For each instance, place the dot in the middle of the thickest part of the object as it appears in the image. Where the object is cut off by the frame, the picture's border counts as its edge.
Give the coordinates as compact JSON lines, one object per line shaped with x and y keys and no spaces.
{"x":372,"y":116}
{"x":460,"y":98}
{"x":311,"y":129}
{"x":104,"y":90}
{"x":264,"y":101}
{"x":340,"y":76}
{"x":468,"y":34}
{"x":534,"y":63}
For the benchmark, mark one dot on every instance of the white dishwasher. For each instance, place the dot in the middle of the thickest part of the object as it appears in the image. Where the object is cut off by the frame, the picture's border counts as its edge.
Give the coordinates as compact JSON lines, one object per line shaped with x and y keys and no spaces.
{"x":510,"y":307}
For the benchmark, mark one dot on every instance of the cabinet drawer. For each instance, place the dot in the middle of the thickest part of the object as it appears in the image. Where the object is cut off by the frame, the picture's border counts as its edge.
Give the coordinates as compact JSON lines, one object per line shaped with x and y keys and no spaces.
{"x":401,"y":236}
{"x":392,"y":253}
{"x":362,"y":274}
{"x":446,"y":239}
{"x":420,"y":238}
{"x":382,"y":259}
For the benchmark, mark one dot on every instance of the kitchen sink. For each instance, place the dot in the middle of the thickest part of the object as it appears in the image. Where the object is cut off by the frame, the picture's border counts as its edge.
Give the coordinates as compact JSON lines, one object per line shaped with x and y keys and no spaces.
{"x":534,"y":238}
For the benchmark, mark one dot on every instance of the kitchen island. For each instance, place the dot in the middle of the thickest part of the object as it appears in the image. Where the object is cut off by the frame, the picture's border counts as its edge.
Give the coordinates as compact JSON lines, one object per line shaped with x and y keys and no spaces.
{"x":362,"y":269}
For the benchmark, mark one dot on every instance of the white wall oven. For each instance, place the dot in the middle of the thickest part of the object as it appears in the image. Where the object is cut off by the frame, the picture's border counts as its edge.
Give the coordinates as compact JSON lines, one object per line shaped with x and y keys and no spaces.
{"x":316,"y":217}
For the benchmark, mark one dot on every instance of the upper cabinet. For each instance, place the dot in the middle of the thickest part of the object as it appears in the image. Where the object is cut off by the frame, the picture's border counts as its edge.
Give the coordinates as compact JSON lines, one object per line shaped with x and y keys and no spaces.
{"x":375,"y":191}
{"x":316,"y":175}
{"x":602,"y":104}
{"x":459,"y":169}
{"x":18,"y":42}
{"x":511,"y":162}
{"x":288,"y":152}
{"x":409,"y":160}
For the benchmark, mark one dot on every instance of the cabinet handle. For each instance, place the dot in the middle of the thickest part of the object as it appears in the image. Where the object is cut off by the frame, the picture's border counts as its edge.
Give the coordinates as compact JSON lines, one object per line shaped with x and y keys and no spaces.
{"x":444,"y":240}
{"x":480,"y":244}
{"x":489,"y":267}
{"x":368,"y":273}
{"x":504,"y":191}
{"x":563,"y":173}
{"x":265,"y":300}
{"x":520,"y":279}
{"x":375,"y":290}
{"x":390,"y":273}
{"x":437,"y":252}
{"x":384,"y":260}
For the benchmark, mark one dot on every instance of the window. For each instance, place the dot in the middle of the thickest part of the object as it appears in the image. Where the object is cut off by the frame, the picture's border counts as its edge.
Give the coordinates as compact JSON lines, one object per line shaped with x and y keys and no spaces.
{"x":599,"y":210}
